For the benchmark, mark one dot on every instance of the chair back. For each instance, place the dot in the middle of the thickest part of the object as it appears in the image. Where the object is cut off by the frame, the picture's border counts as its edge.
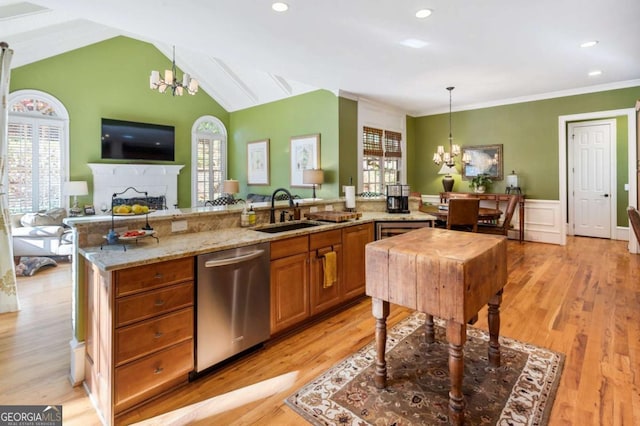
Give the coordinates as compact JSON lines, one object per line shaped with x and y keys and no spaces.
{"x":511,"y":208}
{"x":634,"y":218}
{"x":463,"y":214}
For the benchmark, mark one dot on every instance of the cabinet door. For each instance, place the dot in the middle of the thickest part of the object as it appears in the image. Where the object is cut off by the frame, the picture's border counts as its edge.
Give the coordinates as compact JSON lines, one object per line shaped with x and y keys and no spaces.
{"x":289,"y":291}
{"x":323,"y":298}
{"x":354,"y":239}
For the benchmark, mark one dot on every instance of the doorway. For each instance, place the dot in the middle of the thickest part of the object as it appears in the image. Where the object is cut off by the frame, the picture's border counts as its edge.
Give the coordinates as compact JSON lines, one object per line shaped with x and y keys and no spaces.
{"x":592,"y":178}
{"x":563,"y":123}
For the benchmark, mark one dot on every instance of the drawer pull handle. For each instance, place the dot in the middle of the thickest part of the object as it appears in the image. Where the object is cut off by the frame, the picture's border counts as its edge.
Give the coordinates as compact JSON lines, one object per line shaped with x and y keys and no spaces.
{"x":158,"y":370}
{"x":159,"y":302}
{"x":158,"y":276}
{"x":158,"y":335}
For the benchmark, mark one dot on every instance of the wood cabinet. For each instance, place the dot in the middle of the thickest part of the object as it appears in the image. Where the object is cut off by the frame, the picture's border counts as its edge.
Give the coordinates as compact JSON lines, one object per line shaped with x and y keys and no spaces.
{"x":289,"y":282}
{"x":354,"y":240}
{"x":139,"y":337}
{"x":324,"y":296}
{"x":298,"y":290}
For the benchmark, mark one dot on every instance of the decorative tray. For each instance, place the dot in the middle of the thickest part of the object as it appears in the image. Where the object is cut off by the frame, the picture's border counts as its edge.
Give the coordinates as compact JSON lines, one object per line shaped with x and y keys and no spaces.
{"x":333,"y":216}
{"x":134,"y":235}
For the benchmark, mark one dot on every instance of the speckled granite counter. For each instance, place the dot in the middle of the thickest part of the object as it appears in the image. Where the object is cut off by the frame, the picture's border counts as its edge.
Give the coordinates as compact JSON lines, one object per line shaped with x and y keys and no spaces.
{"x":148,"y":250}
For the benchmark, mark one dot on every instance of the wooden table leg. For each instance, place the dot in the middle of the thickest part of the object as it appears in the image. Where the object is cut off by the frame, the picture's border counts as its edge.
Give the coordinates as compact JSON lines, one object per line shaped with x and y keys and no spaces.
{"x":456,"y":336}
{"x":380,"y":310}
{"x":429,"y":331}
{"x":494,"y":329}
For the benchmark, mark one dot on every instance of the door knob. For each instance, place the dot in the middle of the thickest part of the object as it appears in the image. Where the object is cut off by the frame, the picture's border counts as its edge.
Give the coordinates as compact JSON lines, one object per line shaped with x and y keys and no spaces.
{"x":606,"y":195}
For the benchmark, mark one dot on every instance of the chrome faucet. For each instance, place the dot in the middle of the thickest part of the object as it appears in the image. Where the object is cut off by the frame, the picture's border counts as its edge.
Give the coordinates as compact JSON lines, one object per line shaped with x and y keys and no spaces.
{"x":272,"y":216}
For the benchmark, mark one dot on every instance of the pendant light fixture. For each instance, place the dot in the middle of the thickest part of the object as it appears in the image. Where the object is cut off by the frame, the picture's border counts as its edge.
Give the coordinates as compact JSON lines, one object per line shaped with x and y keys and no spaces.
{"x":171,"y":81}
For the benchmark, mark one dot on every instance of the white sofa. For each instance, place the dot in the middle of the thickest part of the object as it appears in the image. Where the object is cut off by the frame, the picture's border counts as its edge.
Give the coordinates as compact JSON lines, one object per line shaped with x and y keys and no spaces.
{"x":41,"y":234}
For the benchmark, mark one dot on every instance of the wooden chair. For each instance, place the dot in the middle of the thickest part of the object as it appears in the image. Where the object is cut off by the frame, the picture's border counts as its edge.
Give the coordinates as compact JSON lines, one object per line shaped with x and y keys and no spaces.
{"x":503,"y":227}
{"x":463,"y":214}
{"x":634,"y":218}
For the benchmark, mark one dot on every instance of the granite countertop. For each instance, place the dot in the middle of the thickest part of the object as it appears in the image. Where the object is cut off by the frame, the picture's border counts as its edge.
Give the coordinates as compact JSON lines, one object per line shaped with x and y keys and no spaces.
{"x":149,"y":250}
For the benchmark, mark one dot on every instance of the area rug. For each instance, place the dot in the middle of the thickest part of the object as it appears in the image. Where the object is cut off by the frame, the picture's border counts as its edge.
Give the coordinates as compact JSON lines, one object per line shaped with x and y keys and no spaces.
{"x":520,"y":392}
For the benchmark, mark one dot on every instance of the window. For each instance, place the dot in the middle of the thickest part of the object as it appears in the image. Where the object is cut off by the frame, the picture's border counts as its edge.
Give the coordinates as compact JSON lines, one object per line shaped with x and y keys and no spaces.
{"x":381,"y":159}
{"x":209,"y":159}
{"x":37,"y":147}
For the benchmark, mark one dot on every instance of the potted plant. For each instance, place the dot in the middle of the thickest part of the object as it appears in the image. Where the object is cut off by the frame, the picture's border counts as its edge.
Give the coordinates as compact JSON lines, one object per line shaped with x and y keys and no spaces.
{"x":480,"y":182}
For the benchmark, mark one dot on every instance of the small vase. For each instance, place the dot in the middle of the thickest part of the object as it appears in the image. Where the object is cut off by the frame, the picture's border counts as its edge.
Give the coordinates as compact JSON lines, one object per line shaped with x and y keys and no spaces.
{"x":479,"y":189}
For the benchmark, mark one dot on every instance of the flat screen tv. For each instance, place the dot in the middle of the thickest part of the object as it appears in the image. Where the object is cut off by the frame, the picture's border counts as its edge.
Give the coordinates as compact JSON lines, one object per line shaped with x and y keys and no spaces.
{"x":127,"y":140}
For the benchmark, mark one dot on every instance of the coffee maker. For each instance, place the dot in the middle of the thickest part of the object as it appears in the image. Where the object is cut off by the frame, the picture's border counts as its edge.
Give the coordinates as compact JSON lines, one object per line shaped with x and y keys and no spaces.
{"x":398,"y":199}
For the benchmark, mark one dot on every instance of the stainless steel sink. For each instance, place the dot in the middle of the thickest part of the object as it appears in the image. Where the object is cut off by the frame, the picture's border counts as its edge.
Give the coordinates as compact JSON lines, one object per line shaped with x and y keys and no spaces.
{"x":285,"y":226}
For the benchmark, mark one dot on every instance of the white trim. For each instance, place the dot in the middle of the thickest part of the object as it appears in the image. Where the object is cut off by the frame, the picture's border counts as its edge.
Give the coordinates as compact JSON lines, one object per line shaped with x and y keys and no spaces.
{"x":613,"y":177}
{"x":194,"y":152}
{"x":533,"y":98}
{"x":76,"y":370}
{"x":380,"y":116}
{"x":563,"y":120}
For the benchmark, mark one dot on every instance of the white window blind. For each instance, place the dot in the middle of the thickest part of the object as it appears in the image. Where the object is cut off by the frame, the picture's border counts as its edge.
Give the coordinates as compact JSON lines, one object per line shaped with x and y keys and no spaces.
{"x":210,"y":162}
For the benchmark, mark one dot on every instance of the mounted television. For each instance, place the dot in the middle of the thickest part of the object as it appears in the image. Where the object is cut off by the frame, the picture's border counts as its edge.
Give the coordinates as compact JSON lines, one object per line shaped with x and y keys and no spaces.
{"x":127,"y":140}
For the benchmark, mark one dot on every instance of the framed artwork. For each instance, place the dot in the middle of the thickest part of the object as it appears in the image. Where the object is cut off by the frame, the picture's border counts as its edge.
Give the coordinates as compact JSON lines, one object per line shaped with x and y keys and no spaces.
{"x":484,"y":159}
{"x":89,"y":210}
{"x":258,"y":162}
{"x":305,"y":154}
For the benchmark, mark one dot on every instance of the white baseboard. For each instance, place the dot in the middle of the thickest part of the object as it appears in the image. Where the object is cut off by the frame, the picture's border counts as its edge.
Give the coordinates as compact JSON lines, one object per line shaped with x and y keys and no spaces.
{"x":76,"y":370}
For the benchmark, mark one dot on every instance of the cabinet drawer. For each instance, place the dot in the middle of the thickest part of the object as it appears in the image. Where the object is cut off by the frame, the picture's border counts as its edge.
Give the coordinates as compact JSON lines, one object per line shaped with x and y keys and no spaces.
{"x":145,"y":377}
{"x":145,"y":305}
{"x":289,"y":247}
{"x":141,"y":339}
{"x":325,"y":239}
{"x":147,"y":277}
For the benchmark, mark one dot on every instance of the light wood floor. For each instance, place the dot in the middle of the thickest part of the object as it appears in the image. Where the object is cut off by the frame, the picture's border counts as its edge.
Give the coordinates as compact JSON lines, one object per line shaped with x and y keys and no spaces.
{"x":582,"y":299}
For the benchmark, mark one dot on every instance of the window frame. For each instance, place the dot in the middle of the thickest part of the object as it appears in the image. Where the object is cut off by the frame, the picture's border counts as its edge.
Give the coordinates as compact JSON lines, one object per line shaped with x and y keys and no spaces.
{"x":36,"y":119}
{"x":195,"y":136}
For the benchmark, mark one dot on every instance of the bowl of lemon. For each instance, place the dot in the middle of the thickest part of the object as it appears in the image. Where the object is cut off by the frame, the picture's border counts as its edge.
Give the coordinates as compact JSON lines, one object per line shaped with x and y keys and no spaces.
{"x":127,"y":210}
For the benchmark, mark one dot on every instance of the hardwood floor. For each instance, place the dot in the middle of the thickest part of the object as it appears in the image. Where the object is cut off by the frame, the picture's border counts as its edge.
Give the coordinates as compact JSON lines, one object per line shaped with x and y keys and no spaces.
{"x":582,"y":299}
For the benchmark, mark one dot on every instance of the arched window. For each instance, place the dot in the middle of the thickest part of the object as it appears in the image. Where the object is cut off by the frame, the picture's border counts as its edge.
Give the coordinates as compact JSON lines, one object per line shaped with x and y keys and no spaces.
{"x":209,"y":159}
{"x":37,"y":151}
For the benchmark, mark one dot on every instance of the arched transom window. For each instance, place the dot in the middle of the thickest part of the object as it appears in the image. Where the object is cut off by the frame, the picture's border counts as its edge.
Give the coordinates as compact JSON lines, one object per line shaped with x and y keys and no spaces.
{"x":209,"y":159}
{"x":37,"y":161}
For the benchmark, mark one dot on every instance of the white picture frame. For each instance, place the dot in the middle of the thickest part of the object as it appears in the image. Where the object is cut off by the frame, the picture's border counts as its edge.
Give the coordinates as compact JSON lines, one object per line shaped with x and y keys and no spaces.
{"x":305,"y":154}
{"x":258,"y":162}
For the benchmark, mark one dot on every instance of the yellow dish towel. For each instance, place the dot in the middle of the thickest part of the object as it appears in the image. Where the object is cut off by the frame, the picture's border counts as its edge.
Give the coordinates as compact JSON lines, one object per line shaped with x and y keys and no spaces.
{"x":330,"y":269}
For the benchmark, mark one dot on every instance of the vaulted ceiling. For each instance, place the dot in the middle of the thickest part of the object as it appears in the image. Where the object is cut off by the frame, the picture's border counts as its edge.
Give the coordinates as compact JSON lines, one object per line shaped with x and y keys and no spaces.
{"x":244,"y":53}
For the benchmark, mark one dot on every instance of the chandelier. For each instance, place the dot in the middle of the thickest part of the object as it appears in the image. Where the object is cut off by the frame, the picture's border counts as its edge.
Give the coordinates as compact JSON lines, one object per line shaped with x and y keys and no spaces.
{"x":447,"y":157}
{"x":170,"y":81}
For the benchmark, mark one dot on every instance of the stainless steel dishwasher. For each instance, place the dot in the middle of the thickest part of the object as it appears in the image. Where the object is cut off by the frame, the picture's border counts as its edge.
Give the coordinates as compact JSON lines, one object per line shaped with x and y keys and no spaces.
{"x":232,"y":303}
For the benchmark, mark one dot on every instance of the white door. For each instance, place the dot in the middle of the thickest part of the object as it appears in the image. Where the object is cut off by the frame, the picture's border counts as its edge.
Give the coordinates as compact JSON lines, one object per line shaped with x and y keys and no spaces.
{"x":591,"y":178}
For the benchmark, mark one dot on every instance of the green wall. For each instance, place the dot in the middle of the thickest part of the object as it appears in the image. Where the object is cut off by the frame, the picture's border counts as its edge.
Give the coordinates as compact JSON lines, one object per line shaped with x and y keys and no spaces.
{"x":311,"y":113}
{"x":111,"y":79}
{"x":529,"y":134}
{"x":348,"y":117}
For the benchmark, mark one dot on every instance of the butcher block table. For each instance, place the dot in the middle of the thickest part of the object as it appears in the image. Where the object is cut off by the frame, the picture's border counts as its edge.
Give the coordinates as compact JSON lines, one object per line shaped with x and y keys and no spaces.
{"x":443,"y":273}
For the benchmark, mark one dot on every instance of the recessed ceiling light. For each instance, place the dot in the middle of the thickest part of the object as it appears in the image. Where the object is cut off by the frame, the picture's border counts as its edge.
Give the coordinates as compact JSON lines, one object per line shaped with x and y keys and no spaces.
{"x":589,"y":43}
{"x":423,"y":13}
{"x":280,"y":7}
{"x":414,"y":43}
{"x":595,"y":73}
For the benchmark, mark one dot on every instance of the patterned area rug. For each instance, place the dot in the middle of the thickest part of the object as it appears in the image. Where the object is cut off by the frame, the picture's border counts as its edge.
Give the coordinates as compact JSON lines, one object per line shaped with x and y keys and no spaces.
{"x":519,"y":392}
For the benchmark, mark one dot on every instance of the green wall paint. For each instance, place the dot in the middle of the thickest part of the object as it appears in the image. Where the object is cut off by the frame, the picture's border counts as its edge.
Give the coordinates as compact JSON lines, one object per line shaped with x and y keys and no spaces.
{"x":111,"y":79}
{"x":311,"y":113}
{"x":529,"y":134}
{"x":348,"y":117}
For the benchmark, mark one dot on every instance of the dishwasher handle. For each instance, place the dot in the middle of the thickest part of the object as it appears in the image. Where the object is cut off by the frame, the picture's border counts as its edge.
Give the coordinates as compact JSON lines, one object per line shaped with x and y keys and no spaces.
{"x":233,"y":260}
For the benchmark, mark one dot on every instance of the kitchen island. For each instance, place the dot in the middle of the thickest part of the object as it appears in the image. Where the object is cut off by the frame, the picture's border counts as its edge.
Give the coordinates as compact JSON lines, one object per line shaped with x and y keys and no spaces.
{"x":140,"y":303}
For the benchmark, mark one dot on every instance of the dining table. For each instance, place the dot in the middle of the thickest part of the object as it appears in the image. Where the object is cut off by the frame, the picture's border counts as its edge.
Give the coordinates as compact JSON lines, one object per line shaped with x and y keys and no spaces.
{"x":485,"y":214}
